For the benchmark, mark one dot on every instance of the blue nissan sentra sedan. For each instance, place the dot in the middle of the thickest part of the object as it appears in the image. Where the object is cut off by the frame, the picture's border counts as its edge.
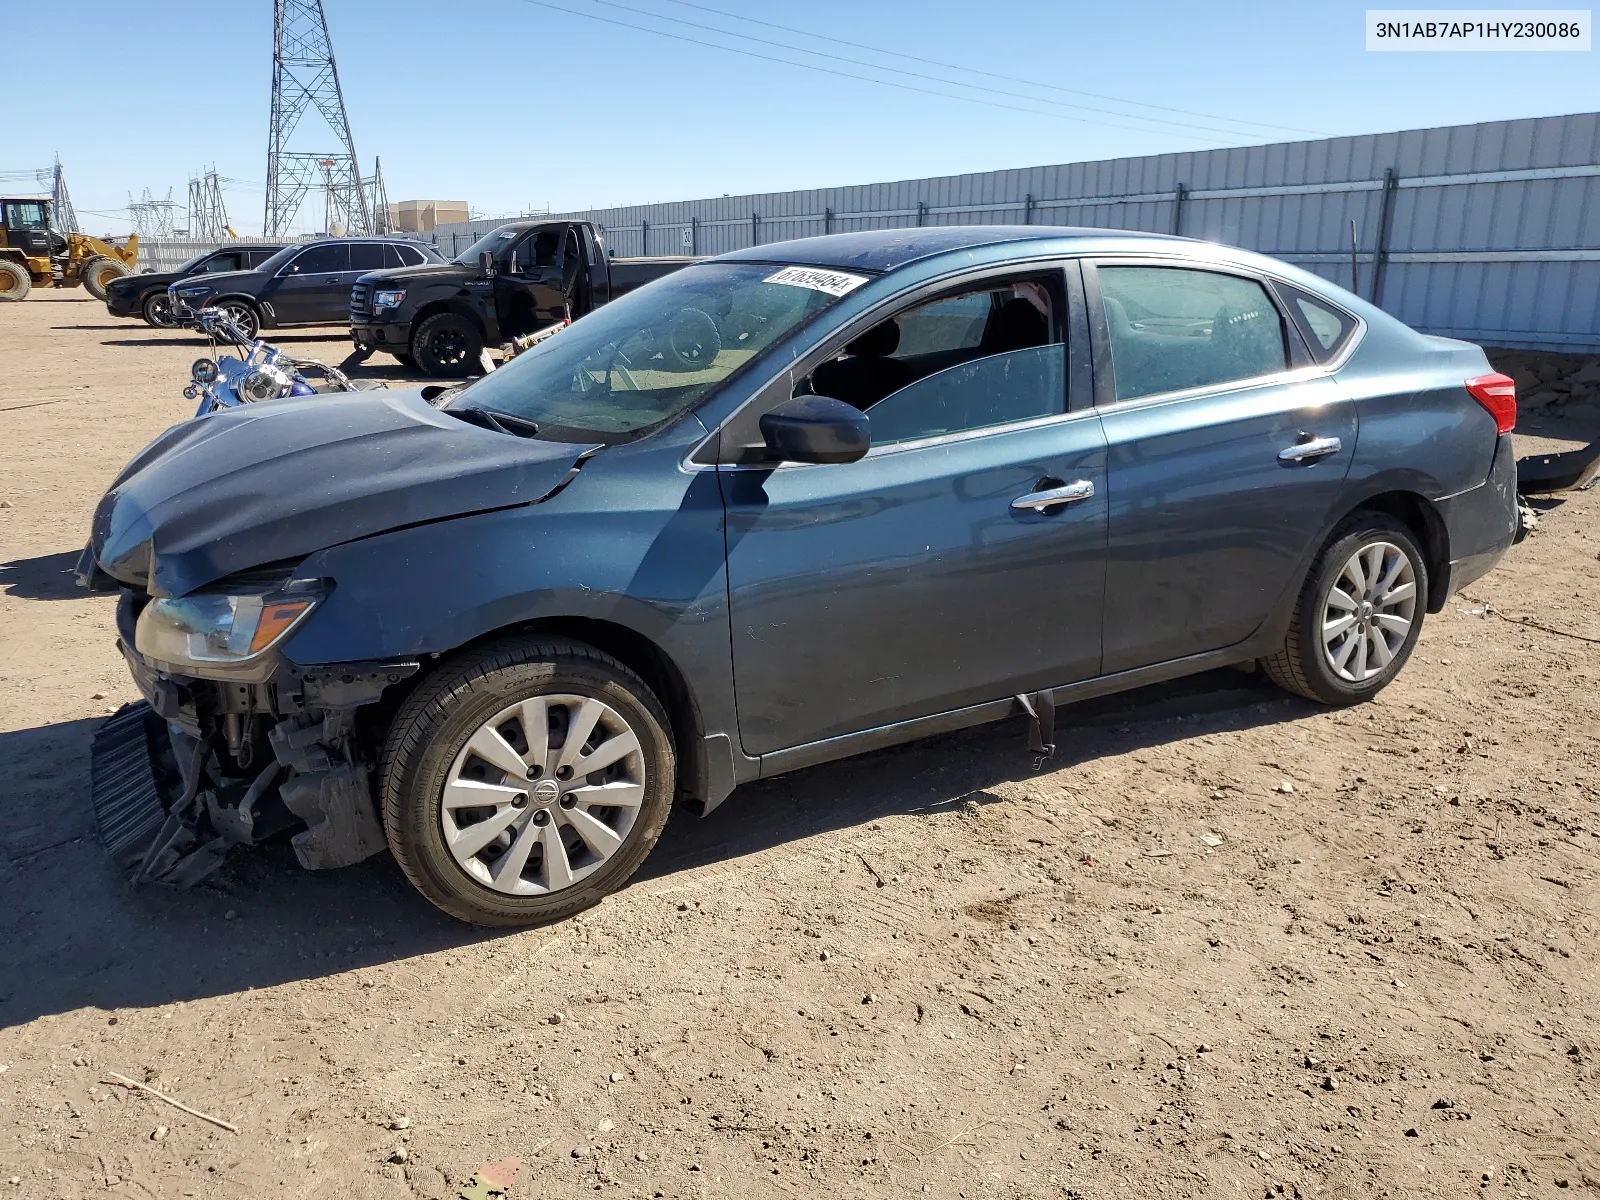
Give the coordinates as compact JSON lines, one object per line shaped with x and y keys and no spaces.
{"x":783,"y":506}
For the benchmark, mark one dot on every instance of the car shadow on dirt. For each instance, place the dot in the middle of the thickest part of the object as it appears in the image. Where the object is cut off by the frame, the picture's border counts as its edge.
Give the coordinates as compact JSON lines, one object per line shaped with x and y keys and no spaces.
{"x":78,"y":935}
{"x":48,"y":577}
{"x":274,"y":336}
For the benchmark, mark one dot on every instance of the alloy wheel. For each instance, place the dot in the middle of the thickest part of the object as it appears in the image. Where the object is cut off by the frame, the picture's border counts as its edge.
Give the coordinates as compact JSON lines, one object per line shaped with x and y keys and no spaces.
{"x":449,"y":348}
{"x":543,"y":794}
{"x":1368,"y":612}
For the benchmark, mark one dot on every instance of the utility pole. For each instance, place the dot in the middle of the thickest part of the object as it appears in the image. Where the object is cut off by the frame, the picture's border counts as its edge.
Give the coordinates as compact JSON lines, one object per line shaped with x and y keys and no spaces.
{"x":304,"y":75}
{"x":378,"y":200}
{"x":208,"y":215}
{"x":66,"y":217}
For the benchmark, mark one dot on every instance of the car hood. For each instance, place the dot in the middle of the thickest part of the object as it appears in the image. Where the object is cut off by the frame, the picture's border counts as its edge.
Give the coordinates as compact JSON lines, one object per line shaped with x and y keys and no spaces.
{"x":427,"y":272}
{"x":219,"y":280}
{"x":137,"y":283}
{"x":279,"y":480}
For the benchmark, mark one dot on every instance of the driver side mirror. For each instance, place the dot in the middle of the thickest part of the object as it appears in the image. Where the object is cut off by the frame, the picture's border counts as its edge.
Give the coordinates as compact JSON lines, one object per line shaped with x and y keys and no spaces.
{"x":486,"y":264}
{"x":816,"y":429}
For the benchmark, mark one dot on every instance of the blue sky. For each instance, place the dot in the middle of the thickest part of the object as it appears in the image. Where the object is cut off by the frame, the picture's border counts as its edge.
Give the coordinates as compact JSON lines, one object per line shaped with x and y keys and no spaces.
{"x":509,"y":104}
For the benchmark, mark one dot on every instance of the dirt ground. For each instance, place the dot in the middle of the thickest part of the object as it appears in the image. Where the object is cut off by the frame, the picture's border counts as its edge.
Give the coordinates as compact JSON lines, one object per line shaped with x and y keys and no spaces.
{"x":1231,"y":945}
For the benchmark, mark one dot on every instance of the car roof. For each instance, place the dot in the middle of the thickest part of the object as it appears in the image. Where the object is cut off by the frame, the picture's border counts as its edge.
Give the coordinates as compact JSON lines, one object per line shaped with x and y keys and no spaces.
{"x":886,"y":249}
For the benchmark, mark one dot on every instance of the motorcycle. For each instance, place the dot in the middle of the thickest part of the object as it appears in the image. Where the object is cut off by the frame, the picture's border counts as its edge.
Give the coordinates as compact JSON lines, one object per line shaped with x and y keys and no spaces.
{"x":261,"y":372}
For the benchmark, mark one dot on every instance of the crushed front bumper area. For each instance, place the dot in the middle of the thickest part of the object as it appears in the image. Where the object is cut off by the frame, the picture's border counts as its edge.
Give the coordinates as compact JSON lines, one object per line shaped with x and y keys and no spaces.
{"x":201,"y":766}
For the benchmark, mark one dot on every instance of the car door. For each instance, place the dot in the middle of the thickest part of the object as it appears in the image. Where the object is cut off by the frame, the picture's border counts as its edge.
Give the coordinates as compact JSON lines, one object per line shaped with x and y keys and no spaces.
{"x":528,"y":292}
{"x":1227,"y":450}
{"x":960,"y":561}
{"x":312,"y":284}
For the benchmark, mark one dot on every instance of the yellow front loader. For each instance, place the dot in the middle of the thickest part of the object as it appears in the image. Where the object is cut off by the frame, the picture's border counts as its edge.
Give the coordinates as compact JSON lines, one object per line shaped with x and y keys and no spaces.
{"x":32,"y":253}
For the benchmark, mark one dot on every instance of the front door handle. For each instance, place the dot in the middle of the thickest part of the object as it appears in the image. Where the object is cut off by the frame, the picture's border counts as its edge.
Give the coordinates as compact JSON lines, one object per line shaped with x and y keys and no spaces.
{"x":1051,"y":497}
{"x":1310,"y":447}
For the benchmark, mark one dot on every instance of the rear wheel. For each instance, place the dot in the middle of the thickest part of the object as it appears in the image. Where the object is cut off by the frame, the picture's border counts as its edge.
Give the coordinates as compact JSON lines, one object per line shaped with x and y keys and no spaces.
{"x":99,"y":271}
{"x":1358,"y":616}
{"x":157,"y":310}
{"x":447,"y":346}
{"x":526,"y":781}
{"x":15,"y":282}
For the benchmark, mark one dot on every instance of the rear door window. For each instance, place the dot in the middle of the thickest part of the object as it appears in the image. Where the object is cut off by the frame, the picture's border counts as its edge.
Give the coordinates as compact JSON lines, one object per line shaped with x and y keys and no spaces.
{"x":367,"y":256}
{"x":1176,"y":328}
{"x":411,"y":256}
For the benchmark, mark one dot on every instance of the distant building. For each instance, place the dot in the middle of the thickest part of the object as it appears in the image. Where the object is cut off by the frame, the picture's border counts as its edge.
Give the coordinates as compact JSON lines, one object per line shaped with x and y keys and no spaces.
{"x":421,"y":216}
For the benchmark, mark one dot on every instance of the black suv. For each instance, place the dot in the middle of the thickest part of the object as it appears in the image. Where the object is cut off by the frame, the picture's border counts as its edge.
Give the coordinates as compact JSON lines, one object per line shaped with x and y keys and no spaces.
{"x":305,"y":284}
{"x":146,"y":295}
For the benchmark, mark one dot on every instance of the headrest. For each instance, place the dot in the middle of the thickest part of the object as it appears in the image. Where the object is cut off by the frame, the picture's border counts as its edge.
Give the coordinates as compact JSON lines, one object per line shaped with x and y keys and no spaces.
{"x":880,"y":341}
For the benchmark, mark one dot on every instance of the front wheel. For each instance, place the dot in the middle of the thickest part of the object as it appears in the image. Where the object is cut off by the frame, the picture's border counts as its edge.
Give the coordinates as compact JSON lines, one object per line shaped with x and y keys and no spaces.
{"x":527,"y":781}
{"x":244,"y":316}
{"x":98,"y":272}
{"x":447,"y":346}
{"x":157,"y":310}
{"x":1358,"y":616}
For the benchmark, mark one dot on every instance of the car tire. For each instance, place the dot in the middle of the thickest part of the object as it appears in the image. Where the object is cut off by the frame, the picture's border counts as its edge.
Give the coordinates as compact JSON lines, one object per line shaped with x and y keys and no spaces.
{"x":447,"y":346}
{"x":157,"y":310}
{"x":245,"y":314}
{"x":15,"y":282}
{"x":1358,"y":616}
{"x":506,"y":689}
{"x":98,"y":271}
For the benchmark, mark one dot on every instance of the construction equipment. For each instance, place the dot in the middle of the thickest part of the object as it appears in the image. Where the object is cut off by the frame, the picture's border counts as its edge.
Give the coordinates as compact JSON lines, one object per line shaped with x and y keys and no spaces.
{"x":33,"y":251}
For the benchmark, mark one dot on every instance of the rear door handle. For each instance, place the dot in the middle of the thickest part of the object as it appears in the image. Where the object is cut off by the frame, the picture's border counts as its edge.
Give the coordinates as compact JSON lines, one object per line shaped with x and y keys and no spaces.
{"x":1310,"y":447}
{"x":1050,"y":497}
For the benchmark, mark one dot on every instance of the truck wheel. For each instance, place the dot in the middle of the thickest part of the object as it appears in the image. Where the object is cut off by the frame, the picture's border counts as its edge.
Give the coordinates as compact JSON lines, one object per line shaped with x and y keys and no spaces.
{"x":447,"y":346}
{"x":157,"y":309}
{"x":1359,"y":613}
{"x":693,"y":340}
{"x":526,"y":781}
{"x":15,"y":281}
{"x":99,"y":271}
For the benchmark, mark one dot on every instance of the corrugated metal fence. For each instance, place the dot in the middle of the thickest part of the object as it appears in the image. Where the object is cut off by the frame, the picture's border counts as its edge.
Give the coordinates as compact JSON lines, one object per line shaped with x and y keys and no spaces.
{"x":1488,"y":232}
{"x":167,"y":254}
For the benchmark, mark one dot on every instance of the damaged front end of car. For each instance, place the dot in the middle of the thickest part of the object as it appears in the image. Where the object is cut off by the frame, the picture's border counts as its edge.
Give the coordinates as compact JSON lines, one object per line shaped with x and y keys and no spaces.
{"x":253,"y":748}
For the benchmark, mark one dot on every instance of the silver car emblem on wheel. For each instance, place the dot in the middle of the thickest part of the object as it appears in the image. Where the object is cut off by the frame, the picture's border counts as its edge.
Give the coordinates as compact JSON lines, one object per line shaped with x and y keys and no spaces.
{"x":543,"y":794}
{"x":1368,"y":612}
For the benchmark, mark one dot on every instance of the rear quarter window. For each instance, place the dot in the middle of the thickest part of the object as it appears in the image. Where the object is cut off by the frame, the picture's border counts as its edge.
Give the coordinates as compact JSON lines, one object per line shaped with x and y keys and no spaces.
{"x":1326,"y":328}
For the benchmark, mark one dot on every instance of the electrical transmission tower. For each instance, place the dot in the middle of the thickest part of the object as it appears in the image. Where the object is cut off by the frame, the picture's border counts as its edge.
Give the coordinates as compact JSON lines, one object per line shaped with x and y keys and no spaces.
{"x":305,"y":76}
{"x":151,"y":218}
{"x":66,"y":216}
{"x":378,"y":199}
{"x":208,"y":216}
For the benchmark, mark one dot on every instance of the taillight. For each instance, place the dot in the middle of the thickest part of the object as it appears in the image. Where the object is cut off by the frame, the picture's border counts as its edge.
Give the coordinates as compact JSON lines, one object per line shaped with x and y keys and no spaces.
{"x":1498,"y":394}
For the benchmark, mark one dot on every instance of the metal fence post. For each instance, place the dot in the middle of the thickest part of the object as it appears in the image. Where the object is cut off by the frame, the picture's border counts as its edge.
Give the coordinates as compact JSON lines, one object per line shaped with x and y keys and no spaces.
{"x":755,"y":229}
{"x":694,"y":235}
{"x":1179,"y":198}
{"x":1027,"y":209}
{"x":1380,"y":255}
{"x":827,"y":220}
{"x":644,"y":238}
{"x":922,"y":214}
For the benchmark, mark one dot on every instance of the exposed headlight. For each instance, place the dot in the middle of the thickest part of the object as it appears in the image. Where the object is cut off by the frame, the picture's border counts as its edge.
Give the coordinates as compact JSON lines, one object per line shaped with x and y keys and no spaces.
{"x":265,"y":382}
{"x":204,"y":370}
{"x":388,"y":298}
{"x":223,"y":627}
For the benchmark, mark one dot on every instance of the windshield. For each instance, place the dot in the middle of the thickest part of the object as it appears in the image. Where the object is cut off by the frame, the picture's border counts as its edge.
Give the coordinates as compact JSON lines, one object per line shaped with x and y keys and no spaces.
{"x":276,"y":262}
{"x":492,"y":241}
{"x":638,"y":362}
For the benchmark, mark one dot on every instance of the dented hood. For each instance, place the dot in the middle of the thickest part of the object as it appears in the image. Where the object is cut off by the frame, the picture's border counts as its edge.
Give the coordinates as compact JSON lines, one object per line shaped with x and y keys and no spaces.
{"x":279,"y":480}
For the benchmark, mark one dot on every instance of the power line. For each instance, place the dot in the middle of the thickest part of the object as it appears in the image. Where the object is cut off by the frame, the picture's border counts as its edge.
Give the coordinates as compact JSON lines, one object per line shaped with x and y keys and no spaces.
{"x":933,"y":62}
{"x":919,"y":74}
{"x":905,"y":87}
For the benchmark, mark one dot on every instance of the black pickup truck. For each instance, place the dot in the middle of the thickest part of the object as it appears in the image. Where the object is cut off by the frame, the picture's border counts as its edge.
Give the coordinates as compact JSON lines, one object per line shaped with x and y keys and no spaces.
{"x":517,"y":279}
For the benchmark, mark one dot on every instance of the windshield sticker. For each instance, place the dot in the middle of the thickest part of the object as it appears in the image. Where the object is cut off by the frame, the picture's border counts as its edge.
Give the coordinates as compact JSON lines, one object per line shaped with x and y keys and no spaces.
{"x":835,"y":283}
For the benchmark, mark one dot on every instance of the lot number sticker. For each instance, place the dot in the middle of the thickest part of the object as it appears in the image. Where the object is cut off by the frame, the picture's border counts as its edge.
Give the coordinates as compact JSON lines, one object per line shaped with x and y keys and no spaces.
{"x":835,"y":283}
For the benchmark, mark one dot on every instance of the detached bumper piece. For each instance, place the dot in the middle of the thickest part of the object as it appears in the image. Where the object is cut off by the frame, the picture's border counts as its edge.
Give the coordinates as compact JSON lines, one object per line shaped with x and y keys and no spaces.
{"x":124,"y":785}
{"x":1542,"y":474}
